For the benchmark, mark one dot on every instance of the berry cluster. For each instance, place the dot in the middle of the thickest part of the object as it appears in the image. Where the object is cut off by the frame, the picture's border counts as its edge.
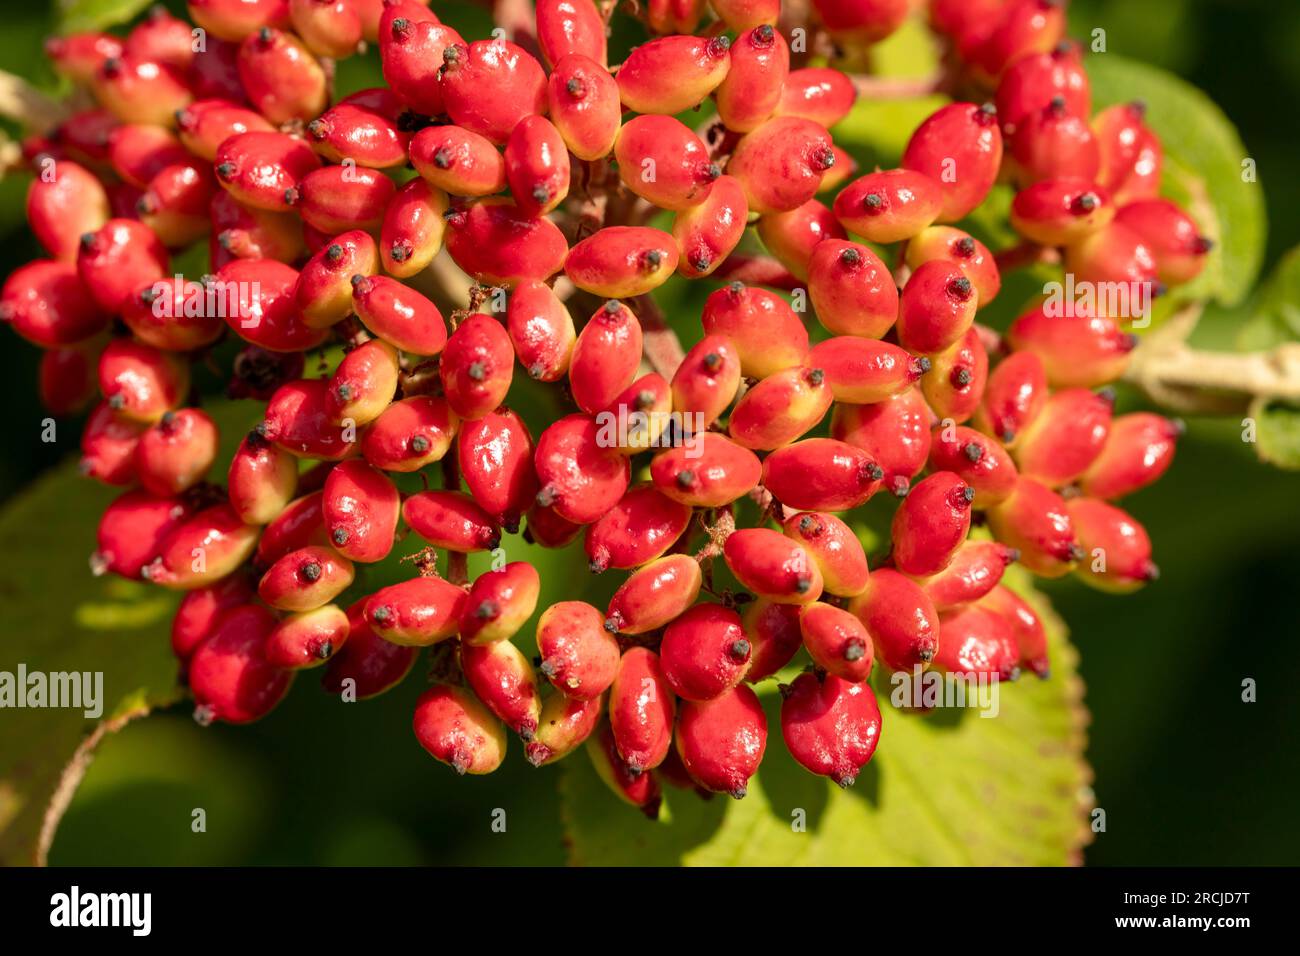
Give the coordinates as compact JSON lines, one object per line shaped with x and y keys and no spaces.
{"x":538,"y":166}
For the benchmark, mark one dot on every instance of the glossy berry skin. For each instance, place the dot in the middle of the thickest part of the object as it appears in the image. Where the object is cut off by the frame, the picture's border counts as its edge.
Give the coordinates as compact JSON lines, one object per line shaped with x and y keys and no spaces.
{"x":176,"y":452}
{"x":821,"y":94}
{"x":765,"y":331}
{"x":451,"y":520}
{"x":299,"y":524}
{"x":477,"y":366}
{"x":654,"y":594}
{"x":579,"y":474}
{"x":283,"y":80}
{"x":64,"y":207}
{"x":637,"y":788}
{"x":960,"y":147}
{"x":549,"y":530}
{"x":417,"y":612}
{"x":864,"y":371}
{"x":370,"y":664}
{"x":931,"y":524}
{"x":412,"y":230}
{"x":140,"y":91}
{"x":308,"y":638}
{"x":583,"y":100}
{"x":1022,"y":28}
{"x":641,"y":710}
{"x":852,"y":291}
{"x":245,"y":232}
{"x":562,"y":726}
{"x":501,"y":677}
{"x":773,"y":566}
{"x":1171,"y":235}
{"x":261,"y":305}
{"x":496,"y":463}
{"x":177,"y":323}
{"x":496,"y":243}
{"x":411,"y":52}
{"x":229,"y":675}
{"x":1054,"y":143}
{"x":971,"y":255}
{"x":1115,"y":253}
{"x":140,"y":382}
{"x":1036,"y":521}
{"x":936,"y":308}
{"x":131,"y":530}
{"x":1077,"y":351}
{"x":537,"y":165}
{"x":399,"y":315}
{"x":117,"y":260}
{"x":889,"y":206}
{"x":774,"y":637}
{"x":261,"y":168}
{"x":1030,"y":635}
{"x":328,"y":27}
{"x":977,"y":642}
{"x":780,"y":408}
{"x":458,"y":161}
{"x":261,"y":480}
{"x":364,"y":383}
{"x":203,"y":549}
{"x":366,"y":137}
{"x":335,"y":199}
{"x":977,"y":459}
{"x":751,"y":90}
{"x":108,"y":444}
{"x":780,"y":164}
{"x":236,"y":20}
{"x":323,"y":292}
{"x":305,"y":579}
{"x":793,"y":236}
{"x":1131,"y":156}
{"x":639,"y":528}
{"x":515,"y":77}
{"x":721,"y":740}
{"x":895,"y":432}
{"x":704,"y":652}
{"x":579,"y":656}
{"x":605,"y":357}
{"x":901,"y":619}
{"x":456,"y":729}
{"x":1032,"y":82}
{"x":570,"y":26}
{"x":833,"y":547}
{"x":708,"y":233}
{"x":66,"y":380}
{"x":1117,"y":550}
{"x":1015,"y":394}
{"x":297,"y":420}
{"x":1065,"y":437}
{"x":499,"y":603}
{"x":664,"y":162}
{"x":622,"y":261}
{"x":541,"y":331}
{"x":975,"y":569}
{"x":861,"y":21}
{"x":200,"y":610}
{"x":707,"y":380}
{"x":821,"y":474}
{"x":138,"y":152}
{"x":713,"y":471}
{"x":831,"y":726}
{"x":78,"y":56}
{"x":410,"y":434}
{"x":1138,"y":449}
{"x":956,"y":381}
{"x":361,"y":508}
{"x":837,"y":641}
{"x":672,"y":74}
{"x":47,"y":304}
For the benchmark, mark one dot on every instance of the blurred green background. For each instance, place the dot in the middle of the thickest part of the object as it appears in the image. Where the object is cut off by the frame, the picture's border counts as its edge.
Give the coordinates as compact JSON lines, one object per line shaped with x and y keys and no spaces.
{"x":1186,"y":772}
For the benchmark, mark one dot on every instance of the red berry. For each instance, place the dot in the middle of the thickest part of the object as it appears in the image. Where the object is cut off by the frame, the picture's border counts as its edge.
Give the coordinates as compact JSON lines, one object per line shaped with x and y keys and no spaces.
{"x":78,"y":56}
{"x":975,"y":569}
{"x":229,"y":675}
{"x":323,"y":292}
{"x":499,"y":603}
{"x":977,"y":642}
{"x":836,"y":641}
{"x":301,"y":523}
{"x":1015,"y":394}
{"x":451,"y":520}
{"x":399,"y":315}
{"x":794,"y":235}
{"x":708,"y":233}
{"x":654,"y":595}
{"x":67,"y":380}
{"x":580,"y":475}
{"x":259,"y":300}
{"x":672,"y":74}
{"x":1138,"y":449}
{"x":200,"y":610}
{"x":305,"y":579}
{"x":821,"y":474}
{"x":889,"y":206}
{"x":622,"y":261}
{"x":262,"y":479}
{"x":537,"y":166}
{"x":308,"y":638}
{"x":496,"y":462}
{"x":48,"y":305}
{"x":1032,"y":82}
{"x":1036,"y":522}
{"x":1054,"y":143}
{"x":1131,"y":156}
{"x":710,"y":472}
{"x":1061,"y":211}
{"x":1022,"y":28}
{"x":108,"y":445}
{"x":959,"y":147}
{"x":721,"y":740}
{"x":459,"y":161}
{"x":1173,"y":238}
{"x":639,"y":528}
{"x":64,"y":207}
{"x":455,"y":728}
{"x":1115,"y":254}
{"x":971,"y":255}
{"x":605,"y":357}
{"x":744,"y":14}
{"x":707,"y":380}
{"x":563,"y":725}
{"x":140,"y":382}
{"x":931,"y":524}
{"x":831,"y":726}
{"x":641,"y":710}
{"x":764,"y":330}
{"x":496,"y":243}
{"x":704,"y":652}
{"x":819,"y":93}
{"x":361,"y":508}
{"x":780,"y":408}
{"x":900,"y":618}
{"x":132,"y":529}
{"x":140,"y":91}
{"x":1117,"y":549}
{"x":774,"y":637}
{"x":338,"y":198}
{"x":1031,"y":636}
{"x":936,"y":308}
{"x":773,"y":566}
{"x":205,"y":548}
{"x":412,"y":230}
{"x":751,"y":90}
{"x":1066,"y":436}
{"x":328,"y":27}
{"x":117,"y":260}
{"x":248,"y":233}
{"x":781,"y":163}
{"x":477,"y":366}
{"x":283,"y":80}
{"x":411,"y":52}
{"x":176,"y":452}
{"x":1077,"y":351}
{"x":570,"y":26}
{"x":366,"y":665}
{"x":852,"y":291}
{"x":417,"y":612}
{"x":894,"y":432}
{"x":861,"y":21}
{"x":579,"y":656}
{"x":584,"y":105}
{"x":410,"y":434}
{"x":364,"y":136}
{"x":636,"y":787}
{"x":236,"y":19}
{"x":865,"y":371}
{"x":976,"y":459}
{"x":956,"y":382}
{"x":262,"y":168}
{"x":502,"y":678}
{"x":490,"y":85}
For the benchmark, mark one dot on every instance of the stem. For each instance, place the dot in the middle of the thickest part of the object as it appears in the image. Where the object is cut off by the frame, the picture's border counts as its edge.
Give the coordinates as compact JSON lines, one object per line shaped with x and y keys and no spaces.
{"x":23,"y":103}
{"x":662,"y":348}
{"x":898,"y":87}
{"x":457,"y":561}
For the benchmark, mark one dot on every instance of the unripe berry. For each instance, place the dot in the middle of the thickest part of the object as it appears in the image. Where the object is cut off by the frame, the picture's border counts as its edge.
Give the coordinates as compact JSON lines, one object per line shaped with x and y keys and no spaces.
{"x":308,"y":638}
{"x":641,"y":710}
{"x":975,"y":569}
{"x":132,"y":529}
{"x":108,"y":446}
{"x":1015,"y":394}
{"x":499,"y":603}
{"x":672,"y":74}
{"x":176,"y":452}
{"x":410,"y":434}
{"x":458,"y":161}
{"x":901,"y":619}
{"x":580,"y":474}
{"x":936,"y":308}
{"x":411,"y":53}
{"x":673,"y":16}
{"x":1138,"y":449}
{"x":260,"y":169}
{"x":366,"y":137}
{"x":1061,"y":211}
{"x":305,"y":579}
{"x":283,"y":80}
{"x":323,"y":292}
{"x":819,"y":93}
{"x":744,"y":14}
{"x":367,"y":663}
{"x":563,"y":725}
{"x":971,"y":255}
{"x":140,"y":91}
{"x":821,"y":474}
{"x":1031,"y":636}
{"x":417,"y":612}
{"x":622,"y":261}
{"x":861,"y":21}
{"x":115,"y":261}
{"x":541,"y":331}
{"x":605,"y":357}
{"x":361,"y":508}
{"x":261,"y":480}
{"x":774,"y":637}
{"x":721,"y":740}
{"x":584,"y":105}
{"x":1077,"y":351}
{"x":328,"y":27}
{"x":565,"y":27}
{"x":1032,"y":82}
{"x":451,"y":520}
{"x":496,"y":462}
{"x":780,"y":408}
{"x":781,"y":163}
{"x":708,"y":233}
{"x":793,"y":236}
{"x":831,"y":726}
{"x":229,"y":675}
{"x":931,"y":524}
{"x":1131,"y":156}
{"x":399,"y":315}
{"x":1054,"y":143}
{"x":1066,"y":436}
{"x":707,"y":380}
{"x":67,"y":381}
{"x":852,"y":291}
{"x":639,"y":528}
{"x":477,"y":366}
{"x":497,"y":244}
{"x":864,"y":371}
{"x":710,"y":472}
{"x":78,"y":56}
{"x":301,"y":523}
{"x":579,"y":656}
{"x":412,"y":230}
{"x":205,"y":548}
{"x":955,"y":384}
{"x":977,"y":642}
{"x":751,"y":90}
{"x":773,"y":566}
{"x":515,"y":79}
{"x":456,"y":729}
{"x":140,"y":382}
{"x":338,"y":198}
{"x":959,"y":146}
{"x":1117,"y":549}
{"x":637,"y":788}
{"x":1035,"y":521}
{"x":1172,"y":237}
{"x":836,"y":641}
{"x":764,"y":330}
{"x":49,"y":306}
{"x":654,"y":595}
{"x":200,"y":610}
{"x":704,"y":652}
{"x":63,"y":208}
{"x":833,"y":547}
{"x":888,"y":206}
{"x":502,"y":678}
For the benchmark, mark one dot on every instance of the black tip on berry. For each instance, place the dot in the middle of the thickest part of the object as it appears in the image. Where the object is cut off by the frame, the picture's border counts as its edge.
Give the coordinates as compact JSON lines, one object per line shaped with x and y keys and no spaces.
{"x":325,"y":650}
{"x":850,"y":257}
{"x":973,"y":451}
{"x":964,"y":247}
{"x":816,"y":376}
{"x":803,"y":584}
{"x":685,"y":478}
{"x":875,"y":472}
{"x":960,"y":287}
{"x":311,"y":571}
{"x":487,"y":610}
{"x":381,"y":613}
{"x":340,"y":536}
{"x":968,"y":493}
{"x":545,"y":497}
{"x":611,"y":625}
{"x":924,"y":364}
{"x":1202,"y":245}
{"x":926,"y":655}
{"x":873,"y":202}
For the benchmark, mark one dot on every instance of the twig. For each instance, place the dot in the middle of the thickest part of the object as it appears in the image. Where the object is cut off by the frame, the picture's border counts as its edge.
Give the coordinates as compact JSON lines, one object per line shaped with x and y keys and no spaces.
{"x":663,"y":350}
{"x":457,"y":561}
{"x":23,"y":103}
{"x":898,"y":87}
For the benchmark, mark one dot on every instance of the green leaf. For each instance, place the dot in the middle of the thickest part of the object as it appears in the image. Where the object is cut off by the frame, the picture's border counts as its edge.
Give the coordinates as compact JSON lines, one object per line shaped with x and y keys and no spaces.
{"x":950,"y":788}
{"x":1203,"y":169}
{"x":1277,"y":432}
{"x":77,"y":15}
{"x":1275,"y":313}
